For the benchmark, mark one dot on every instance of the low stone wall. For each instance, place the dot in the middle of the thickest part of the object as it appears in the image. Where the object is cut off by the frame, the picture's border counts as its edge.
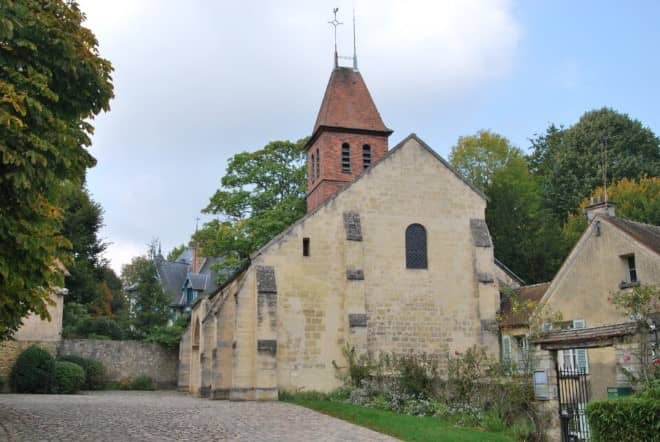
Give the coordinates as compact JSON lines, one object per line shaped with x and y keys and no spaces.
{"x":128,"y":359}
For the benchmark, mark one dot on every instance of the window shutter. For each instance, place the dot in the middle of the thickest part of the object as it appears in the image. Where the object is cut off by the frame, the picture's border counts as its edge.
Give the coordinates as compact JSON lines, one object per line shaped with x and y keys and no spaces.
{"x":581,"y":354}
{"x":506,"y":349}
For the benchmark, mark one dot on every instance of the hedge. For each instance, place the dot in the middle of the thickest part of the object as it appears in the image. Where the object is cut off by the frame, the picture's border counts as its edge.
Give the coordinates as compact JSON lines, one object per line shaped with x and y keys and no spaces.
{"x":624,"y":419}
{"x":95,"y":377}
{"x":33,"y":371}
{"x":69,"y":377}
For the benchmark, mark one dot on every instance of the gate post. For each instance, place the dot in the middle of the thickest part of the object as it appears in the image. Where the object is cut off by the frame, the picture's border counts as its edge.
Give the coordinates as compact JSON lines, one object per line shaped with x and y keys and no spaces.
{"x":546,"y":360}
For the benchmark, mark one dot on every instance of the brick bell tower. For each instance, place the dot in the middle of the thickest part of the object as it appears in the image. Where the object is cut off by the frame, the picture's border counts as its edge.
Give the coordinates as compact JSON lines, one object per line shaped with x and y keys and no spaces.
{"x":348,"y":137}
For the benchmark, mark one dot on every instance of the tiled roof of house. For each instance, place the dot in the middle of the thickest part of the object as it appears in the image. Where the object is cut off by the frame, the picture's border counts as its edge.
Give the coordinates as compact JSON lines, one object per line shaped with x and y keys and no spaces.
{"x":348,"y":104}
{"x":646,"y":234}
{"x":526,"y":294}
{"x":575,"y":337}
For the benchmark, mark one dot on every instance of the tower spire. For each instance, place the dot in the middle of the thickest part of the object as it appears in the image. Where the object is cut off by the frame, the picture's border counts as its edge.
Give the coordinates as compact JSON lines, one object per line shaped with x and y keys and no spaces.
{"x":355,"y":63}
{"x":334,"y":22}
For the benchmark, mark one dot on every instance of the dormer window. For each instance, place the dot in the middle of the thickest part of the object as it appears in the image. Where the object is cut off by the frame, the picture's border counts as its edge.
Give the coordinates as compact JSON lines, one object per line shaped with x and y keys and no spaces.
{"x":346,"y":158}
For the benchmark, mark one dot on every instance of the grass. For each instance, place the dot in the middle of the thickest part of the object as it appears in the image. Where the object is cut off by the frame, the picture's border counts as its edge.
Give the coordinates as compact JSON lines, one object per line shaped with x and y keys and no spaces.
{"x":402,"y":426}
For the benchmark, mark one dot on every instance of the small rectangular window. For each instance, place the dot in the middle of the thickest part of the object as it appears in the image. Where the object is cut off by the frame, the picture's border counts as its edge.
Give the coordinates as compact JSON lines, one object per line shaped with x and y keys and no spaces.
{"x":305,"y":246}
{"x":346,"y":158}
{"x":632,"y":272}
{"x":366,"y":156}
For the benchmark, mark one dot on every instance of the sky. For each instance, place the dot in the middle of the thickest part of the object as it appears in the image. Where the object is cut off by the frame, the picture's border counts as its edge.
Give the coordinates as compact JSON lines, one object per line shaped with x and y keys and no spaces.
{"x":198,"y":81}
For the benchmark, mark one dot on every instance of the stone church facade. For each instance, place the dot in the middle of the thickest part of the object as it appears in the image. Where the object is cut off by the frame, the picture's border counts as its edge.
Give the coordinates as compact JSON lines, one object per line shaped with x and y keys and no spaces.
{"x":393,"y":256}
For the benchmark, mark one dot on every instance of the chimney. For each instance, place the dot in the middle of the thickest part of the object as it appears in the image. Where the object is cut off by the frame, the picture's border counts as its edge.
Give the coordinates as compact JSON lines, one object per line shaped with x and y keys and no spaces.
{"x":599,"y":207}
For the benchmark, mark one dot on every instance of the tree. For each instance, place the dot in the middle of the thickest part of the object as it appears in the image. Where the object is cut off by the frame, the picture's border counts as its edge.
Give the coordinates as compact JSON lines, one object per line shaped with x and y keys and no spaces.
{"x":262,"y":193}
{"x":176,"y":252}
{"x":569,"y":160}
{"x":636,"y":200}
{"x":82,"y":218}
{"x":477,"y":157}
{"x":523,"y":234}
{"x":150,"y":305}
{"x":52,"y":82}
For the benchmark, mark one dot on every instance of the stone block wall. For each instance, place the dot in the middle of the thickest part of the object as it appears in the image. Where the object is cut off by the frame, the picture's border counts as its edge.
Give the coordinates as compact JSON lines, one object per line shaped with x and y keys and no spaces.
{"x":128,"y":359}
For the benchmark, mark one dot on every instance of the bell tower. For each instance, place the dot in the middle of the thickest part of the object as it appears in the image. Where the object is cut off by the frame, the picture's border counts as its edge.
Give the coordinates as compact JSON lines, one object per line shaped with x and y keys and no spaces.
{"x":348,"y":137}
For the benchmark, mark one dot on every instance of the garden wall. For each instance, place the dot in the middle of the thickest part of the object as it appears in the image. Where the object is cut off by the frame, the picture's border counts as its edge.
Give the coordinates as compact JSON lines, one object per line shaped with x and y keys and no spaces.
{"x":122,"y":359}
{"x":128,"y":359}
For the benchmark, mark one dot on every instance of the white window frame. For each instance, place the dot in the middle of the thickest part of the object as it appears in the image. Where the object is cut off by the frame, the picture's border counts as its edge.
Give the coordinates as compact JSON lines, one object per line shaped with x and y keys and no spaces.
{"x":570,"y":359}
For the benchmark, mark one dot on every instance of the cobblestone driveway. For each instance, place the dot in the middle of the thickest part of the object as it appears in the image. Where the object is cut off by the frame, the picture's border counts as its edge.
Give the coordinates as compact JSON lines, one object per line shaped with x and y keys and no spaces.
{"x":165,"y":416}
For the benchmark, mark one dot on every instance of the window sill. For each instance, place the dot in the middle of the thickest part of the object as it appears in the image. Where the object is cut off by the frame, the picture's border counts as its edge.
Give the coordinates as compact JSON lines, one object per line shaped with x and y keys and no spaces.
{"x":627,"y":285}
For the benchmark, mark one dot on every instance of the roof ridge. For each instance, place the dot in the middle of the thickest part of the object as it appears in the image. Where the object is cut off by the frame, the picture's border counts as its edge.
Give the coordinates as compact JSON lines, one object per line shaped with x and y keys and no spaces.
{"x":345,"y":187}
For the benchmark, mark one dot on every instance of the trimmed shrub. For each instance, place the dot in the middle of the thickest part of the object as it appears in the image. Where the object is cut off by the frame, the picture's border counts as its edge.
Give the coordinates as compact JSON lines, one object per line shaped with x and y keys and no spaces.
{"x":69,"y":377}
{"x":76,"y":359}
{"x":95,"y":376}
{"x":33,"y":371}
{"x":625,"y":419}
{"x":143,"y":382}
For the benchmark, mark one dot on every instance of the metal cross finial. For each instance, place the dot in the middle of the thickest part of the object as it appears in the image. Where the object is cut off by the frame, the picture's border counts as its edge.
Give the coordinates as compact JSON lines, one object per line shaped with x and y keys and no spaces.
{"x":334,"y":22}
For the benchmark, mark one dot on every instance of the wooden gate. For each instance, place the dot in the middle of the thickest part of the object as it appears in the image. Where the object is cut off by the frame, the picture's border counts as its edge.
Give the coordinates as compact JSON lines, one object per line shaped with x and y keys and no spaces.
{"x":573,"y":394}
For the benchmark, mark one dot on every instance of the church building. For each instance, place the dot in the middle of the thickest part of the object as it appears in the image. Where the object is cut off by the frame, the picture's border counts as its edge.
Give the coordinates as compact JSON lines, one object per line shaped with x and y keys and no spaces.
{"x":393,"y":256}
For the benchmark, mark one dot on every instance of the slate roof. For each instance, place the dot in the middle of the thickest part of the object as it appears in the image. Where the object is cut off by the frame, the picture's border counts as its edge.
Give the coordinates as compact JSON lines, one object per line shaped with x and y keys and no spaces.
{"x":347,"y":104}
{"x":529,"y":293}
{"x":645,"y":234}
{"x":172,"y":275}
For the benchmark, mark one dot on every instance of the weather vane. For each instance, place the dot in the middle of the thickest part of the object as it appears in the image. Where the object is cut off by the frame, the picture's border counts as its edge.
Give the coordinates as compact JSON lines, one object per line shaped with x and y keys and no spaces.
{"x":334,"y":22}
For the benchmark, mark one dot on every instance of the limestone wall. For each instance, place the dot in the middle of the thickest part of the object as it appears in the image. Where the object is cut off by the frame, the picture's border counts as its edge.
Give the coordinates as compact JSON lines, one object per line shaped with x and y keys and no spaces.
{"x":394,"y":309}
{"x":128,"y":359}
{"x":36,"y":329}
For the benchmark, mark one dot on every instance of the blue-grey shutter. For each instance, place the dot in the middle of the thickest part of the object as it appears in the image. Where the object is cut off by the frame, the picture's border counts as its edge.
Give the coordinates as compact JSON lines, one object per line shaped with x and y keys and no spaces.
{"x":506,"y":350}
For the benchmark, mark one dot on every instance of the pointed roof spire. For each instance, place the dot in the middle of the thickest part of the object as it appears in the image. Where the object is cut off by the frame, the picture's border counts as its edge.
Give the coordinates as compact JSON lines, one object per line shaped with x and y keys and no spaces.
{"x":347,"y":104}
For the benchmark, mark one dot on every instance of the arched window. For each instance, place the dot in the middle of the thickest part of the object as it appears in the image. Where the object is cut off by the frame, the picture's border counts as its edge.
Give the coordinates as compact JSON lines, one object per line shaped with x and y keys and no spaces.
{"x":366,"y":156}
{"x":318,"y":164}
{"x":312,"y":168}
{"x":416,"y":247}
{"x":346,"y":158}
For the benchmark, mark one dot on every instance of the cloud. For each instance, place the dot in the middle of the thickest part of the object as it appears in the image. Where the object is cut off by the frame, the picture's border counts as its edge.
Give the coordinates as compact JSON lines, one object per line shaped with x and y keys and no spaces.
{"x":198,"y":81}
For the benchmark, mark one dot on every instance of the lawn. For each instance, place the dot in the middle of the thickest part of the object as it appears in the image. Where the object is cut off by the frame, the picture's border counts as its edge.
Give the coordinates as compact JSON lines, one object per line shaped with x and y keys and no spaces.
{"x":402,"y":426}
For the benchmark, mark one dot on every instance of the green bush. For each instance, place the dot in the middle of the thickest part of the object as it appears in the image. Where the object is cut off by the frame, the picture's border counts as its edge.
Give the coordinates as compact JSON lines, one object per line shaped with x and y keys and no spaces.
{"x":169,"y":335}
{"x":95,"y":376}
{"x":33,"y":371}
{"x":69,"y":377}
{"x":2,"y":383}
{"x":624,"y":419}
{"x":416,"y":375}
{"x":142,"y":382}
{"x":100,"y":328}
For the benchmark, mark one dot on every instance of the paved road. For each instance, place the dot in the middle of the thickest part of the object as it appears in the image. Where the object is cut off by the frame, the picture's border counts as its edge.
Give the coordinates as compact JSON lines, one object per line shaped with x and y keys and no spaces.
{"x":165,"y":416}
